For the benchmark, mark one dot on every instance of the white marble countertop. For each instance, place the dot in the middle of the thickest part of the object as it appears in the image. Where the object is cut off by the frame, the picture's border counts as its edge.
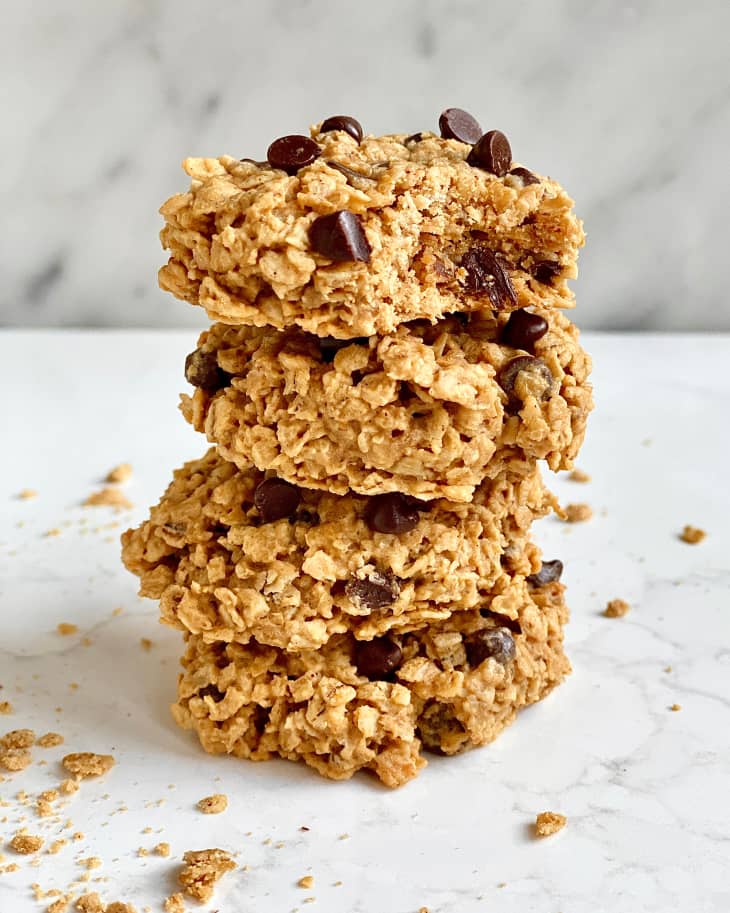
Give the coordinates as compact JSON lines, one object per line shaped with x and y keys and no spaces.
{"x":646,"y":790}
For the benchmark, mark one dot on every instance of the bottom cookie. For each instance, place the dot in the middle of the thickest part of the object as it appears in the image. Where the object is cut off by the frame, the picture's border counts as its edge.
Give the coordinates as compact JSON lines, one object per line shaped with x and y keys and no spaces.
{"x":352,"y":705}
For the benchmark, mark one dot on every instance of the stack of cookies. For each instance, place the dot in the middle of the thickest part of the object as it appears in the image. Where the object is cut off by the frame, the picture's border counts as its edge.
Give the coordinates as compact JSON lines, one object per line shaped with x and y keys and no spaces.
{"x":351,"y":561}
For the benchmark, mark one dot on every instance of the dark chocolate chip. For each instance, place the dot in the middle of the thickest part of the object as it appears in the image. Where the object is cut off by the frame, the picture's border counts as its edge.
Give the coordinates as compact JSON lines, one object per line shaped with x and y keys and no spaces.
{"x":546,"y":270}
{"x":391,"y":513}
{"x":507,"y":378}
{"x":212,"y":691}
{"x":486,"y":275}
{"x":202,"y":371}
{"x":503,"y":621}
{"x":457,"y":124}
{"x":376,"y":591}
{"x":375,"y":659}
{"x":526,"y":176}
{"x":290,"y":153}
{"x":496,"y":643}
{"x":492,"y":153}
{"x":343,"y":122}
{"x":276,"y":499}
{"x":523,"y":330}
{"x":350,"y":173}
{"x":329,"y":346}
{"x":550,"y":572}
{"x":413,"y":138}
{"x":340,"y":236}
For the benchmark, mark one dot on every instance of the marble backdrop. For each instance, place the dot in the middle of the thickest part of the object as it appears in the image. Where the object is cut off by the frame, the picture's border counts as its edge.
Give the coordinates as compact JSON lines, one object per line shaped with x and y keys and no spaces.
{"x":628,"y":104}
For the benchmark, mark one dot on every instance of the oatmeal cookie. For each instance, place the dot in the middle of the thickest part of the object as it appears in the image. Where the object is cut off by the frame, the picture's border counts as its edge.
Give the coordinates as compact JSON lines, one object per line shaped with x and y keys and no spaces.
{"x":232,"y":555}
{"x":375,"y":704}
{"x":429,"y":410}
{"x":349,"y":237}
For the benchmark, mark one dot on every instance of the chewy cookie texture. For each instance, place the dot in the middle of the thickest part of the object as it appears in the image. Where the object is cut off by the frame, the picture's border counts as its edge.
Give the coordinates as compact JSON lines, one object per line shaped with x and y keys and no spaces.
{"x":348,"y":236}
{"x":351,"y":563}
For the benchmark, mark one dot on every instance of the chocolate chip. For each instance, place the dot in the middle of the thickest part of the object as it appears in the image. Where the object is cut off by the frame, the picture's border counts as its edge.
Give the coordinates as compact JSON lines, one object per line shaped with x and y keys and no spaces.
{"x":392,"y":513}
{"x":340,"y":237}
{"x":492,"y":153}
{"x":343,"y":122}
{"x":457,"y":124}
{"x":546,"y":270}
{"x":276,"y":499}
{"x":413,"y":138}
{"x":212,"y":691}
{"x":526,"y":176}
{"x":329,"y":346}
{"x":550,"y":572}
{"x":376,"y":591}
{"x":290,"y":153}
{"x":375,"y":659}
{"x":496,"y":643}
{"x":486,"y":275}
{"x":508,"y":373}
{"x":202,"y":371}
{"x":523,"y":330}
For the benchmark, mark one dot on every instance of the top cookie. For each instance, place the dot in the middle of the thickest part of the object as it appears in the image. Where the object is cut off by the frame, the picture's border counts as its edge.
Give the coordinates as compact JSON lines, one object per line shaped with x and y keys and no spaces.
{"x":346,"y":236}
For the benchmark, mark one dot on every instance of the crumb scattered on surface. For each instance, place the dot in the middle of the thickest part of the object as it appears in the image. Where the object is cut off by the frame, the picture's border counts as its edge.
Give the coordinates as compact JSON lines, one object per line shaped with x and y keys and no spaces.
{"x":667,"y":668}
{"x":120,"y":473}
{"x":577,"y":513}
{"x":25,"y":843}
{"x":676,"y":707}
{"x":145,"y":643}
{"x":617,"y":608}
{"x":6,"y":708}
{"x":54,"y":531}
{"x":85,"y":764}
{"x":578,"y":475}
{"x":108,"y":497}
{"x":692,"y":534}
{"x":65,"y":628}
{"x":202,"y":869}
{"x":162,"y":849}
{"x":306,"y":881}
{"x":60,"y":905}
{"x":18,"y":738}
{"x":15,"y":759}
{"x":213,"y":805}
{"x":68,"y":787}
{"x":175,"y":904}
{"x":50,"y":740}
{"x":89,"y":903}
{"x":57,"y":846}
{"x":548,"y":823}
{"x":27,"y":494}
{"x":91,"y":862}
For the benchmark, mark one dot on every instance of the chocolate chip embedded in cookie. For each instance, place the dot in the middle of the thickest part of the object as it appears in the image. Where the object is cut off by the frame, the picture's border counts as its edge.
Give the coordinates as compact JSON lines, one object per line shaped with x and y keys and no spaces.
{"x":242,"y":244}
{"x":550,"y":572}
{"x":523,"y":330}
{"x":202,"y":371}
{"x":525,"y":376}
{"x":276,"y":499}
{"x":373,"y":590}
{"x":485,"y":275}
{"x":393,"y":513}
{"x":376,"y":659}
{"x":490,"y":643}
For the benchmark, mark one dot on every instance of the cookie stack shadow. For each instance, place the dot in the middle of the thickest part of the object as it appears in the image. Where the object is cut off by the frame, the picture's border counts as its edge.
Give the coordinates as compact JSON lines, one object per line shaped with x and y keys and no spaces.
{"x":351,"y":561}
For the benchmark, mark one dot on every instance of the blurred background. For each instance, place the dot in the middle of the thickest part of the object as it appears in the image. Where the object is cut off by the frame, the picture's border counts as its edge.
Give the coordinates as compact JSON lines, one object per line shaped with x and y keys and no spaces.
{"x":627,"y":104}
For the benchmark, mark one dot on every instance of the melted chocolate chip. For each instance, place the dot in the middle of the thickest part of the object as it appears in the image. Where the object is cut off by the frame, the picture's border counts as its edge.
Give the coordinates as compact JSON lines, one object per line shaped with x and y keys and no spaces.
{"x":212,"y":691}
{"x":496,"y":643}
{"x":457,"y":124}
{"x":523,"y":330}
{"x":202,"y":371}
{"x":492,"y":152}
{"x":392,"y":513}
{"x":550,"y":572}
{"x":486,"y":275}
{"x":508,"y":373}
{"x":436,"y":722}
{"x":343,"y":122}
{"x":290,"y":153}
{"x":376,"y":591}
{"x":527,"y":177}
{"x":413,"y":138}
{"x":276,"y":499}
{"x":340,"y":236}
{"x":376,"y":659}
{"x":546,"y":270}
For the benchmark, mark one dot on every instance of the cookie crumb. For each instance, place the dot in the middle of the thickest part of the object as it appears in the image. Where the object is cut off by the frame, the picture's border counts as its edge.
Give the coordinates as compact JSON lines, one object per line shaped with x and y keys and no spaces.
{"x":50,"y":740}
{"x":89,"y":903}
{"x":306,"y":881}
{"x":54,"y":531}
{"x":25,"y":844}
{"x":92,"y":862}
{"x":27,"y":494}
{"x":162,"y":849}
{"x":423,"y":910}
{"x":578,"y":475}
{"x":118,"y":907}
{"x":201,"y":871}
{"x":548,"y":823}
{"x":108,"y":497}
{"x":57,"y":846}
{"x":617,"y":608}
{"x":60,"y":905}
{"x":668,"y":669}
{"x":213,"y":805}
{"x":6,"y":708}
{"x":120,"y":473}
{"x":18,"y":738}
{"x":69,"y":787}
{"x":145,"y":643}
{"x":577,"y":513}
{"x":66,"y":629}
{"x":85,"y":764}
{"x":15,"y":759}
{"x":676,"y":707}
{"x":175,"y":904}
{"x":692,"y":535}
